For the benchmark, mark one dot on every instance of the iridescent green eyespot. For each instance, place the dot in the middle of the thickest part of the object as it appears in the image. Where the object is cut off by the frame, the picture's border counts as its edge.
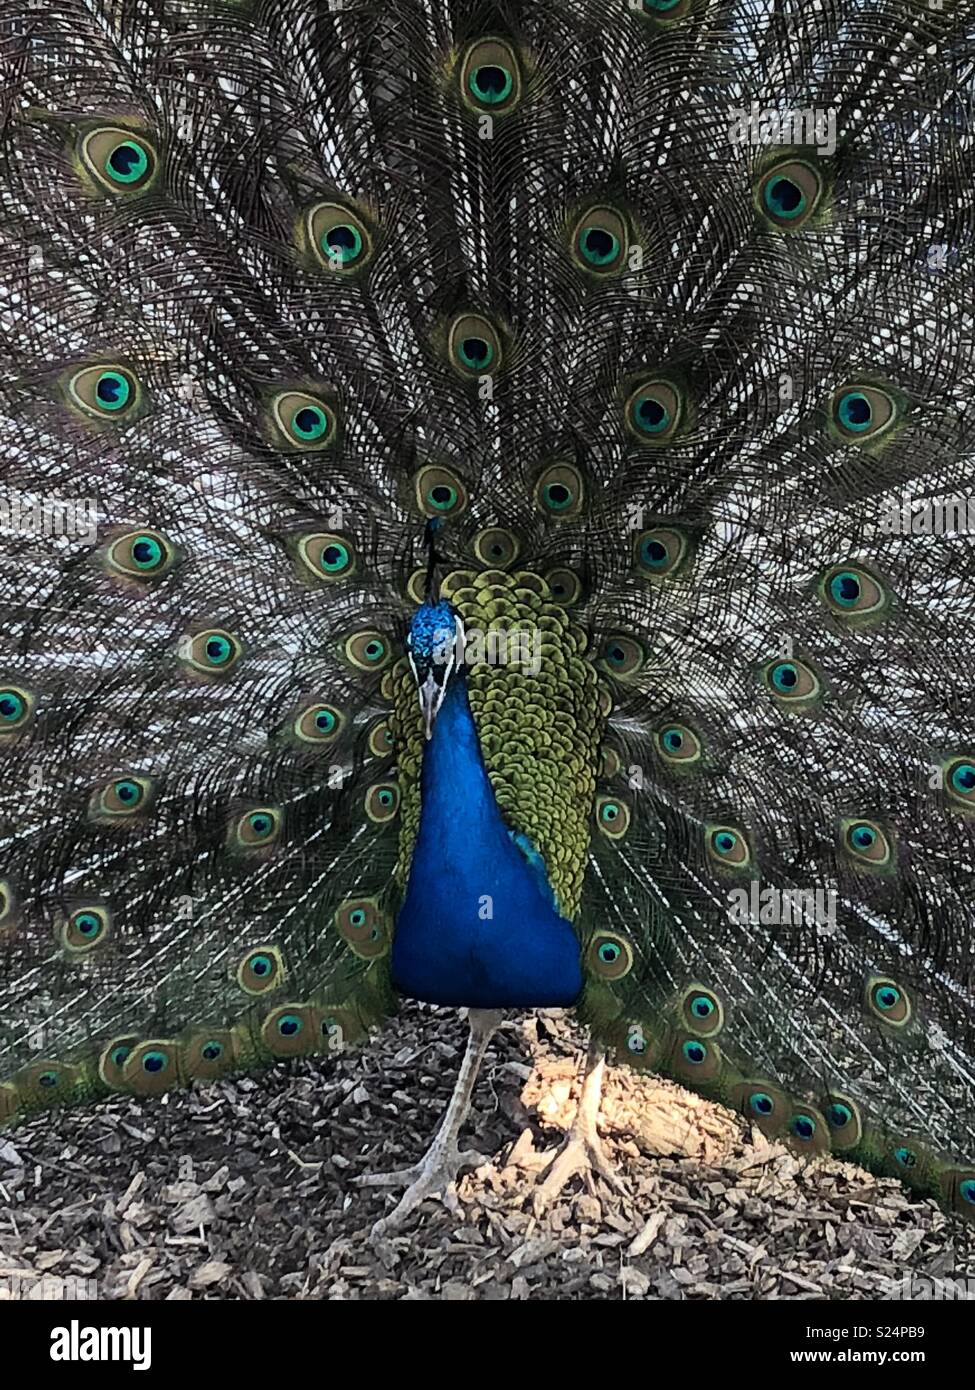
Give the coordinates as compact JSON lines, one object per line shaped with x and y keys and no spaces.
{"x":789,"y":193}
{"x":560,"y":491}
{"x":622,"y":656}
{"x":262,"y":969}
{"x":661,"y":552}
{"x":120,"y":799}
{"x":362,"y":924}
{"x":888,"y":1002}
{"x":382,"y":802}
{"x":474,"y":346}
{"x":612,"y":817}
{"x":793,"y":684}
{"x":439,"y":491}
{"x":326,"y":556}
{"x":318,"y":723}
{"x":86,"y":928}
{"x":600,"y":240}
{"x":867,"y":844}
{"x":490,"y":77}
{"x":213,"y":653}
{"x":654,"y":411}
{"x":303,"y":421}
{"x":728,"y":847}
{"x":257,"y":828}
{"x":959,"y":781}
{"x":16,"y":709}
{"x":337,"y":238}
{"x":144,"y":555}
{"x":496,"y":547}
{"x":105,"y":392}
{"x":678,"y":745}
{"x":367,"y":651}
{"x":860,"y":411}
{"x":610,"y":956}
{"x":852,"y":593}
{"x":119,"y":161}
{"x":701,"y":1011}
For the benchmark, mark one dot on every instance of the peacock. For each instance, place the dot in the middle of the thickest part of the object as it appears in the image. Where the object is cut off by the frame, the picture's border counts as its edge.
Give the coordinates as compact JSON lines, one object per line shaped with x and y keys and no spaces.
{"x":480,"y":503}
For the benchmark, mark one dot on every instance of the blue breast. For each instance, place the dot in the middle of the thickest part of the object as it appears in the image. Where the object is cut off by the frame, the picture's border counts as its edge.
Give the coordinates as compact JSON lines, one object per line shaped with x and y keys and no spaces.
{"x":478,"y":925}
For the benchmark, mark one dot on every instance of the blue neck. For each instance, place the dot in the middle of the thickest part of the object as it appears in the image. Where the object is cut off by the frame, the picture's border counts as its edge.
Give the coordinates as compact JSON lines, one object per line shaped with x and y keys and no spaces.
{"x":478,"y":925}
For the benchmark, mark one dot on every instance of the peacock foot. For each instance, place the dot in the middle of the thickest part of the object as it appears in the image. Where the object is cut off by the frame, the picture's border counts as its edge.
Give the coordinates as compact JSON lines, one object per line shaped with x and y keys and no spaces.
{"x":434,"y":1176}
{"x":580,"y":1153}
{"x":582,"y":1150}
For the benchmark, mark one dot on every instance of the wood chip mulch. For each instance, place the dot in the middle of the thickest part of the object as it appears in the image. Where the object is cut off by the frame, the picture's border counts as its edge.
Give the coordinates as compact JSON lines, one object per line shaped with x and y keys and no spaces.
{"x":244,"y":1190}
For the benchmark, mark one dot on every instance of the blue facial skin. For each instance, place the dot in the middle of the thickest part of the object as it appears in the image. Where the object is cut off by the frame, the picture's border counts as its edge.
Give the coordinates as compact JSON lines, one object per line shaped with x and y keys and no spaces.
{"x":478,"y":925}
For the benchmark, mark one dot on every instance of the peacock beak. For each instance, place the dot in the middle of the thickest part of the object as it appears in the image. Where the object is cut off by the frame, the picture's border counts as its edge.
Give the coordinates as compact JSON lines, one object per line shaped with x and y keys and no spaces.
{"x":432,"y":692}
{"x":448,"y":657}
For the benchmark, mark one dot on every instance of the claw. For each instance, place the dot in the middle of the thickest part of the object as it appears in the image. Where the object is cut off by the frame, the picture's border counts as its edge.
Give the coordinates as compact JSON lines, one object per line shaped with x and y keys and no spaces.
{"x":581,"y":1151}
{"x":434,"y":1176}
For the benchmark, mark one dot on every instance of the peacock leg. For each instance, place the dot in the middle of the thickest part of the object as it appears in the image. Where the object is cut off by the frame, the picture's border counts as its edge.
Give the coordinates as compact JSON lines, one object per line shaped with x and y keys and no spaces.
{"x":581,"y":1150}
{"x":437,"y":1170}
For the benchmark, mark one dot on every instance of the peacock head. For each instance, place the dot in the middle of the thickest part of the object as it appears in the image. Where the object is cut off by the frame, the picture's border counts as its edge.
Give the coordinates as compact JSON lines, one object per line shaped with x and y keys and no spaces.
{"x":435,"y":647}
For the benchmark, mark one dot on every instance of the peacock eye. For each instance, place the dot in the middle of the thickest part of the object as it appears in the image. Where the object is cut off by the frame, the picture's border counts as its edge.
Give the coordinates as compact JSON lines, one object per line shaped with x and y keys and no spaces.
{"x":382,"y":802}
{"x":559,"y":491}
{"x":291,"y":1030}
{"x":695,"y":1052}
{"x":104,"y":392}
{"x":490,"y":78}
{"x":610,"y":956}
{"x":888,"y":1001}
{"x":303,"y":422}
{"x":367,"y":651}
{"x":676,"y":743}
{"x":474,"y":346}
{"x":213,"y":652}
{"x":600,"y":241}
{"x":789,"y":193}
{"x":326,"y":556}
{"x":16,"y":709}
{"x":861,"y":412}
{"x":653,"y":412}
{"x":439,"y":491}
{"x":141,"y":555}
{"x":120,"y":798}
{"x":85,"y":928}
{"x":496,"y":548}
{"x":843,"y":1121}
{"x":792,"y":683}
{"x":565,"y":585}
{"x":960,"y":780}
{"x":612,"y":817}
{"x":622,"y":656}
{"x":702,"y":1011}
{"x":866,"y":843}
{"x":802,"y":1127}
{"x":728,"y":847}
{"x":665,"y":11}
{"x":905,"y":1157}
{"x":852,"y":592}
{"x":261,"y":969}
{"x":256,"y":829}
{"x":318,"y":724}
{"x":119,"y":161}
{"x":360,"y":922}
{"x":380,"y":741}
{"x":660,"y":552}
{"x":339,"y":239}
